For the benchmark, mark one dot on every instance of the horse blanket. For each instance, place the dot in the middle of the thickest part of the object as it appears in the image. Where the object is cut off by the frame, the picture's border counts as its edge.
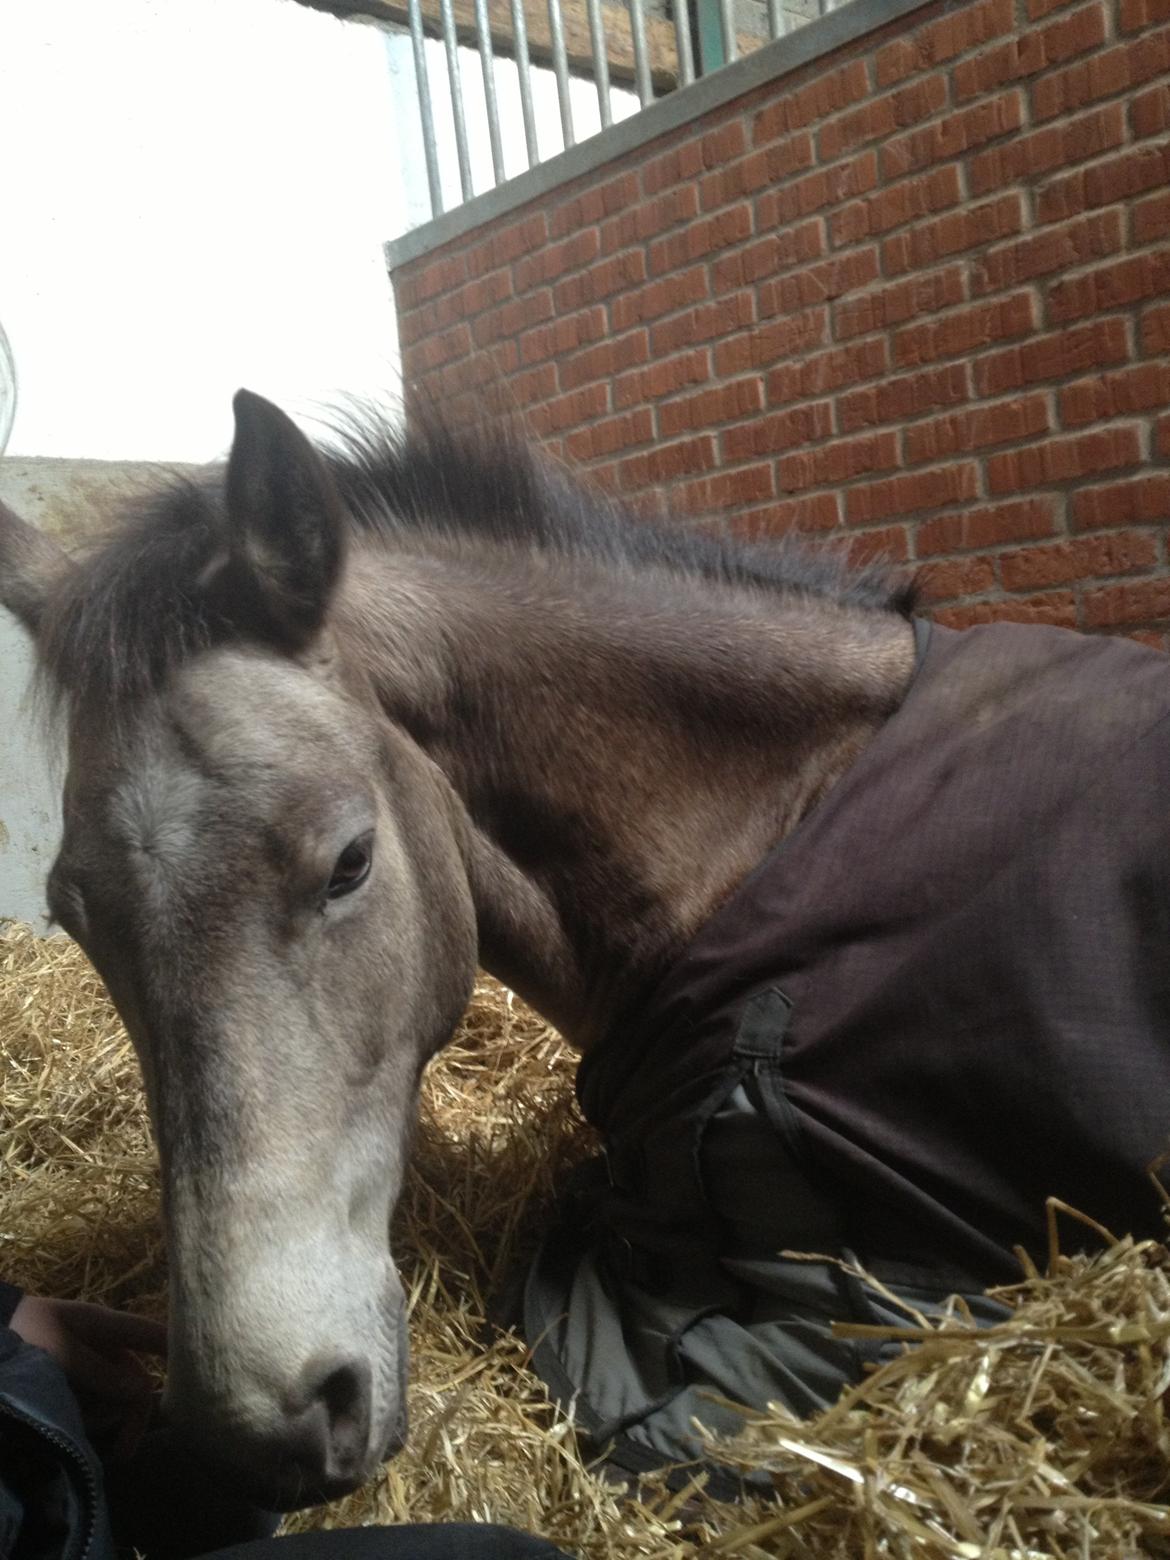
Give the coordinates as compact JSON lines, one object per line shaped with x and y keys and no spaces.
{"x":942,"y":1000}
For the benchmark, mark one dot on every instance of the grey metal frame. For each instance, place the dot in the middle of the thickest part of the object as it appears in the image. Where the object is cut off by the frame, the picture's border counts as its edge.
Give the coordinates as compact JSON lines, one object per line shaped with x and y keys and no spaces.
{"x":784,"y":54}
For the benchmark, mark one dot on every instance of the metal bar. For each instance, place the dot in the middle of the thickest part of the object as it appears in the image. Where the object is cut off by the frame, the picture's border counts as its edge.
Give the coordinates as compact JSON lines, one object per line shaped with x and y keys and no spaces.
{"x":682,"y":38}
{"x":487,"y":64}
{"x":727,"y":25}
{"x":451,"y":45}
{"x":524,"y":78}
{"x":561,"y":69}
{"x":426,"y":112}
{"x":600,"y":61}
{"x":775,"y":19}
{"x":641,"y":58}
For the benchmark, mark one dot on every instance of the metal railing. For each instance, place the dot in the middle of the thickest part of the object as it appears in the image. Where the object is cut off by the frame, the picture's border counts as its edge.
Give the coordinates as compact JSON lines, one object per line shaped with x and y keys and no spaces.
{"x":707,"y":34}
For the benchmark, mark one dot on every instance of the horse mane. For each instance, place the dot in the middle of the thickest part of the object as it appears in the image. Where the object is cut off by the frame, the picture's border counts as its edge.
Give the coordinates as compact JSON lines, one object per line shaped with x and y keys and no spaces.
{"x":133,"y":608}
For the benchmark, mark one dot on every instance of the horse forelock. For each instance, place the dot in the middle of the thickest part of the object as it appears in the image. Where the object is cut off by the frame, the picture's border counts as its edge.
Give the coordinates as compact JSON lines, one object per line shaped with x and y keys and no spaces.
{"x":137,"y":604}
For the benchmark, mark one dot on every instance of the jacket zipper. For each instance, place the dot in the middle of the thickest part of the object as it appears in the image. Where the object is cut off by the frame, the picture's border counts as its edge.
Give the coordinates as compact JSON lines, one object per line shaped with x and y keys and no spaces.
{"x":78,"y":1461}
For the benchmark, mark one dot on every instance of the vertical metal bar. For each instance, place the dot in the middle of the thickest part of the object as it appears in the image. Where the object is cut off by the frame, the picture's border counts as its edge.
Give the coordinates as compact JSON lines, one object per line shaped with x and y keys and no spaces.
{"x":682,"y":39}
{"x":561,"y":69}
{"x":487,"y":64}
{"x":600,"y":61}
{"x":775,"y":19}
{"x":727,"y":24}
{"x":426,"y":112}
{"x":451,"y":44}
{"x":524,"y":78}
{"x":641,"y":57}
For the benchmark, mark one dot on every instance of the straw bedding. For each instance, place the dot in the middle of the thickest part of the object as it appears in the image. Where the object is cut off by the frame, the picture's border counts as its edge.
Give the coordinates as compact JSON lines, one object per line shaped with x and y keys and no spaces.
{"x":1045,"y":1436}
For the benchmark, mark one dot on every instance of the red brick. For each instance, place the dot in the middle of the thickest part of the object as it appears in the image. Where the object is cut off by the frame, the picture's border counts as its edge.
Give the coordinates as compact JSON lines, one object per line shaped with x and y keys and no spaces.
{"x":666,"y":462}
{"x":898,"y":204}
{"x":800,"y":425}
{"x":592,"y":205}
{"x":1058,"y":356}
{"x":763,"y":346}
{"x":1144,"y":500}
{"x":1151,"y":218}
{"x":1162,"y":436}
{"x":437,"y":350}
{"x":1054,"y":249}
{"x":823,"y":95}
{"x":897,"y":400}
{"x":969,"y":228}
{"x":882,"y":307}
{"x":815,"y":376}
{"x":952,"y":35}
{"x":647,"y":218}
{"x":711,"y":407}
{"x":681,"y":165}
{"x":1155,"y":336}
{"x":507,"y":243}
{"x":1057,"y":608}
{"x":422,"y":279}
{"x":1139,"y":389}
{"x":600,"y":281}
{"x":701,"y":238}
{"x":824,"y":187}
{"x":558,"y":412}
{"x":604,"y":360}
{"x":1032,"y":51}
{"x":957,"y":577}
{"x":1144,"y":168}
{"x":509,"y":319}
{"x":1100,"y":75}
{"x":954,"y":135}
{"x":965,"y":330}
{"x":1137,"y":601}
{"x":611,"y":435}
{"x":815,"y":512}
{"x":1060,"y":460}
{"x":661,"y":379}
{"x":562,"y":335}
{"x":1038,"y":9}
{"x":1064,"y":563}
{"x":1150,"y":113}
{"x":885,"y":546}
{"x":819,"y":283}
{"x":1143,"y":13}
{"x":768,"y":255}
{"x":1054,"y":146}
{"x":755,"y":172}
{"x":724,"y":317}
{"x":880,"y":117}
{"x":1111,"y":287}
{"x":539,"y":384}
{"x":746,"y":486}
{"x":975,"y":428}
{"x":910,"y":492}
{"x":555,"y":259}
{"x":658,"y":298}
{"x":723,"y":144}
{"x":838,"y":462}
{"x":1154,"y":638}
{"x":1016,"y":521}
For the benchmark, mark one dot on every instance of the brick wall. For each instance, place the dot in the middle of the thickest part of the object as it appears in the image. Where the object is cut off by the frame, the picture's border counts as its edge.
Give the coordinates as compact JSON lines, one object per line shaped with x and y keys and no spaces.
{"x":915,"y":296}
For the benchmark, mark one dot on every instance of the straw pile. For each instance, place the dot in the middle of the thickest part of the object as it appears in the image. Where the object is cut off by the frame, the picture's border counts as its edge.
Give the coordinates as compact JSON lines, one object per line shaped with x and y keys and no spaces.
{"x":1045,"y":1436}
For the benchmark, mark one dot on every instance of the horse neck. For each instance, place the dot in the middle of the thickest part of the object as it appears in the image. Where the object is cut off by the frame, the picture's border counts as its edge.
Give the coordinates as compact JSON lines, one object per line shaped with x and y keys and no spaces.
{"x":623,"y":746}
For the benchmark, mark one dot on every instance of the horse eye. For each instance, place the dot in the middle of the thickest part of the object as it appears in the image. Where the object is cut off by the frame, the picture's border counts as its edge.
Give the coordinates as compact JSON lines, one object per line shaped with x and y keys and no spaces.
{"x":352,"y":867}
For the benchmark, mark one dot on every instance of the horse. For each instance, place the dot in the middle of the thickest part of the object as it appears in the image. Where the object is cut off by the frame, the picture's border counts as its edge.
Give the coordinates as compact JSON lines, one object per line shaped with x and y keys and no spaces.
{"x":342,"y":722}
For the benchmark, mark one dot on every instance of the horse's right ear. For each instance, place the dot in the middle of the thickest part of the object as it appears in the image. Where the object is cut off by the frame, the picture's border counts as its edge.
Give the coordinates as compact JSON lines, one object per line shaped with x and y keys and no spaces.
{"x":30,"y":563}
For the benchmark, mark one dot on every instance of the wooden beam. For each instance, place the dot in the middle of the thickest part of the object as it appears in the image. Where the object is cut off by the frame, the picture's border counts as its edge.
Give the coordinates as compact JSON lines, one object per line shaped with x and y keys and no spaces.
{"x":660,"y":41}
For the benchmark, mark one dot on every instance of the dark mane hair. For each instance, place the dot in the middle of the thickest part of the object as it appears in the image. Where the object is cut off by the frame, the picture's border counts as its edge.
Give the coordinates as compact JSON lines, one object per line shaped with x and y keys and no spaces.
{"x":135,"y":606}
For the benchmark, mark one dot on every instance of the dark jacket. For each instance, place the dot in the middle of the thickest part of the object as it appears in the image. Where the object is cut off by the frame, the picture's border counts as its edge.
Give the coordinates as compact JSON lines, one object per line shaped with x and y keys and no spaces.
{"x":52,"y":1505}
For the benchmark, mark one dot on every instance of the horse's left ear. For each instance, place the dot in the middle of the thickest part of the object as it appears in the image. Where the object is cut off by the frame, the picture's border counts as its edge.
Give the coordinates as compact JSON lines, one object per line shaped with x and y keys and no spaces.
{"x":286,"y":531}
{"x":30,"y":564}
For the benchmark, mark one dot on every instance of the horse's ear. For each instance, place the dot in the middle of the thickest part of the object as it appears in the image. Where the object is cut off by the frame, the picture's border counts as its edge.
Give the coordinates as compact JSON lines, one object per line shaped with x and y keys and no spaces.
{"x":286,"y":530}
{"x":30,"y":563}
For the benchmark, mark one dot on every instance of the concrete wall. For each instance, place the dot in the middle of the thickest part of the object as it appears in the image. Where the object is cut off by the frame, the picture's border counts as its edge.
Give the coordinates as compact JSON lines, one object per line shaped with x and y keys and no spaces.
{"x":910,"y":297}
{"x":68,"y":498}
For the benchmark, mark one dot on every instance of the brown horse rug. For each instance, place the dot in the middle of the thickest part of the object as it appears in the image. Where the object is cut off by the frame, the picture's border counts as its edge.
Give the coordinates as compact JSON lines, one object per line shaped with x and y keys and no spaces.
{"x":942,"y":1000}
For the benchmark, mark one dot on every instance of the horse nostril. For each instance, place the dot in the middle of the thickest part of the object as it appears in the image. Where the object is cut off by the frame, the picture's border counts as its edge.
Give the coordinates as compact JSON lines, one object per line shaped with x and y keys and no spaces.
{"x":343,"y":1392}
